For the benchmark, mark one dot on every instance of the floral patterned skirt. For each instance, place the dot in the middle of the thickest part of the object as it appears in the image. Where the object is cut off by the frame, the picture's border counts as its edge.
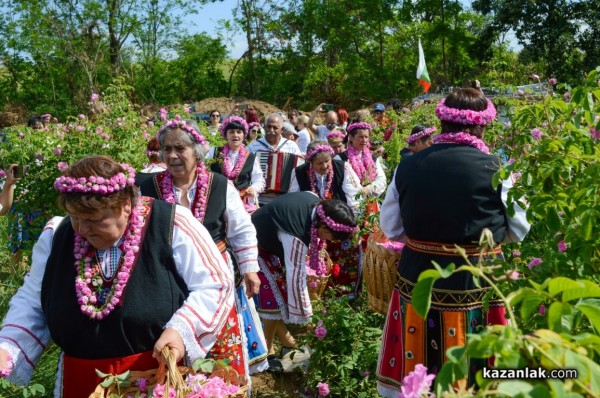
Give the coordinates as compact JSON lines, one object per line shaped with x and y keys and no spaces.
{"x":346,"y":271}
{"x":409,"y":340}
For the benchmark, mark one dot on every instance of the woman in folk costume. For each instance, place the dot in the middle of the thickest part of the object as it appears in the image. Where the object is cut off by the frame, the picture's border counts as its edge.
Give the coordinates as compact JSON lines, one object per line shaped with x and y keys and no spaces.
{"x":370,"y":172}
{"x":330,"y":178}
{"x":290,"y":228}
{"x":216,"y":203}
{"x":440,"y":197}
{"x":237,"y":163}
{"x":146,"y":275}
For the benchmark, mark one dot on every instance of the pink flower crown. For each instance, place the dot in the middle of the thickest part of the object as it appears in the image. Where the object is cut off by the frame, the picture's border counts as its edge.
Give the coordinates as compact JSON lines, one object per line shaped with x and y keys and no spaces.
{"x":233,"y":119}
{"x":252,"y":124}
{"x":178,"y":123}
{"x":421,"y":134}
{"x":334,"y":226}
{"x":96,"y":184}
{"x":317,"y":150}
{"x":358,"y":126}
{"x":335,"y":134}
{"x":465,"y":116}
{"x":152,"y":153}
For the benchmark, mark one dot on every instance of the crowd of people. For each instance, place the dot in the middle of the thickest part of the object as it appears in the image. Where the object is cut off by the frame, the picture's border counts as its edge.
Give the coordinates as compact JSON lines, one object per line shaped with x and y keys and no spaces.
{"x":208,"y":250}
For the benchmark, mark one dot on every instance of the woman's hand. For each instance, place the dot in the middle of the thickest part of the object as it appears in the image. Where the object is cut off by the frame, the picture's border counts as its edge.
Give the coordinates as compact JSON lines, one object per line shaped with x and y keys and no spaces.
{"x":250,"y":191}
{"x":252,"y":282}
{"x":10,"y":175}
{"x":172,"y":339}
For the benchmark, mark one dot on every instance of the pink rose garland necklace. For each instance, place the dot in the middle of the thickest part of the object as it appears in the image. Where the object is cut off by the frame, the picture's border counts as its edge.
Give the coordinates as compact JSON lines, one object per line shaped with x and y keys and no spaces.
{"x":233,"y":172}
{"x":362,"y":165}
{"x":328,"y":182}
{"x":461,"y":138}
{"x":201,"y":197}
{"x":94,"y":300}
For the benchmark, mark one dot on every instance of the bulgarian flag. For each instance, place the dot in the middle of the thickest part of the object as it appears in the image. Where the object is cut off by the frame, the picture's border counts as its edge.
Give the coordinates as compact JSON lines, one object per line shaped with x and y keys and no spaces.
{"x":422,"y":73}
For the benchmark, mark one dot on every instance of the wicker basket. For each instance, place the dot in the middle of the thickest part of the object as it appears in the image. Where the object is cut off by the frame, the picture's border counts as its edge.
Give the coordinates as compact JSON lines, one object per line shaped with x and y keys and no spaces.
{"x":317,"y":284}
{"x":169,"y":375}
{"x":380,"y":271}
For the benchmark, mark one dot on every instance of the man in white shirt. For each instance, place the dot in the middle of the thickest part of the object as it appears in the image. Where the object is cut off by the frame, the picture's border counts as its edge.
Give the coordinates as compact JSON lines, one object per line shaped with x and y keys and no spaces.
{"x":273,"y":141}
{"x":331,"y":122}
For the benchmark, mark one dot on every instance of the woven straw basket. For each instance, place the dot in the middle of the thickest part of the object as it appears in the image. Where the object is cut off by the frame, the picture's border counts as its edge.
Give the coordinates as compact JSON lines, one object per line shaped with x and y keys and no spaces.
{"x":169,"y":375}
{"x":379,"y":271}
{"x":320,"y":282}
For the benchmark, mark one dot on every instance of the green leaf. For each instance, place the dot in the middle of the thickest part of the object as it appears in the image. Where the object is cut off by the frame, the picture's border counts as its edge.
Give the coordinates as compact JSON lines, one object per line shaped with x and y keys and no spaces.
{"x":531,"y":302}
{"x":122,"y":376}
{"x":102,"y":375}
{"x":444,"y":272}
{"x":514,"y":388}
{"x":587,"y":225}
{"x":429,"y":273}
{"x":591,"y":309}
{"x":586,"y":289}
{"x":559,"y":284}
{"x":560,"y":317}
{"x":421,"y":296}
{"x":108,"y":381}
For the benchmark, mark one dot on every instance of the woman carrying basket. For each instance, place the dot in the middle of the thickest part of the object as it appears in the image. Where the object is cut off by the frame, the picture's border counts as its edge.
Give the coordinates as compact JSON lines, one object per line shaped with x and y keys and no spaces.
{"x":216,"y":203}
{"x":113,"y":283}
{"x":290,"y":228}
{"x":440,"y":197}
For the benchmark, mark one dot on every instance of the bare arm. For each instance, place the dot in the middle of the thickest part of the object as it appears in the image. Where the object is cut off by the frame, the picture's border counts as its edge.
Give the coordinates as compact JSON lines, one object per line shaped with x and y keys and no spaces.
{"x":7,"y":194}
{"x":311,"y":121}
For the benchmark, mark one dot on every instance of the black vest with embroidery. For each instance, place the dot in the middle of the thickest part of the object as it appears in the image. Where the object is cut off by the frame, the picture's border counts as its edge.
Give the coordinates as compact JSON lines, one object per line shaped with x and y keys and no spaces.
{"x":291,"y":213}
{"x":216,"y":204}
{"x":338,"y":179}
{"x":446,"y":195}
{"x":244,"y":179}
{"x":154,"y":292}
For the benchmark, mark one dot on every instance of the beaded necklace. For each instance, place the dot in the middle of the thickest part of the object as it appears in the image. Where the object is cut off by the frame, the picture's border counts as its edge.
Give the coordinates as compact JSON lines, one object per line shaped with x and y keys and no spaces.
{"x":201,"y":198}
{"x":97,"y":301}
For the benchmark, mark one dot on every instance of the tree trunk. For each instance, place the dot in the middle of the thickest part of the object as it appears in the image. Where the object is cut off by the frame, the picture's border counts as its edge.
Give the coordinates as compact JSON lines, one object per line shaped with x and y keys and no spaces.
{"x":247,"y":9}
{"x":113,"y":39}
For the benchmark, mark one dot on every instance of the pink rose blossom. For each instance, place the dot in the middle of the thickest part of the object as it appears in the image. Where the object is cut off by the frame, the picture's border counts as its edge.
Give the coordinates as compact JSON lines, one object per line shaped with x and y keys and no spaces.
{"x":595,"y":133}
{"x":514,"y":275}
{"x":552,"y":82}
{"x":81,"y":116}
{"x":562,"y":246}
{"x":511,"y":160}
{"x":534,"y":263}
{"x":567,"y":96}
{"x":320,"y":331}
{"x":536,"y":134}
{"x":542,"y":310}
{"x":80,"y":128}
{"x":21,"y":135}
{"x":94,"y":97}
{"x":516,"y":253}
{"x":535,"y":77}
{"x":9,"y":367}
{"x":2,"y":173}
{"x":58,"y":151}
{"x":62,"y":166}
{"x":323,"y":389}
{"x":417,"y":383}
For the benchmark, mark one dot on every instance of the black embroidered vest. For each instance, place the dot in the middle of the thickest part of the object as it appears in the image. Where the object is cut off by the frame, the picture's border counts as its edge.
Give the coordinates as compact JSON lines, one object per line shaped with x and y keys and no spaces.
{"x":152,"y":295}
{"x":291,"y":213}
{"x":446,"y":195}
{"x":338,"y":179}
{"x":215,"y":207}
{"x":244,"y":179}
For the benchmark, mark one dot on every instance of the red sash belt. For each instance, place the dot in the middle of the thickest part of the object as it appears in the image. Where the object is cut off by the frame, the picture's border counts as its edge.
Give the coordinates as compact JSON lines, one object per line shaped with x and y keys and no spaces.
{"x":79,"y":375}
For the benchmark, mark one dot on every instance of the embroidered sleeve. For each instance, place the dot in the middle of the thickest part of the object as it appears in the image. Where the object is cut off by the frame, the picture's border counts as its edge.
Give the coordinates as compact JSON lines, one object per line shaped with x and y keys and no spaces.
{"x":295,"y":252}
{"x":24,"y":332}
{"x":241,"y":233}
{"x":209,"y":280}
{"x":518,"y":226}
{"x":377,"y":187}
{"x":391,"y":220}
{"x":351,"y":186}
{"x":294,"y":186}
{"x":258,"y":179}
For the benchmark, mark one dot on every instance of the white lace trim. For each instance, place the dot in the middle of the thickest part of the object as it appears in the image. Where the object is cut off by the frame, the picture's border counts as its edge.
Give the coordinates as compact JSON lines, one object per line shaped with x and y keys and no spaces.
{"x":193,"y":349}
{"x":22,"y":371}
